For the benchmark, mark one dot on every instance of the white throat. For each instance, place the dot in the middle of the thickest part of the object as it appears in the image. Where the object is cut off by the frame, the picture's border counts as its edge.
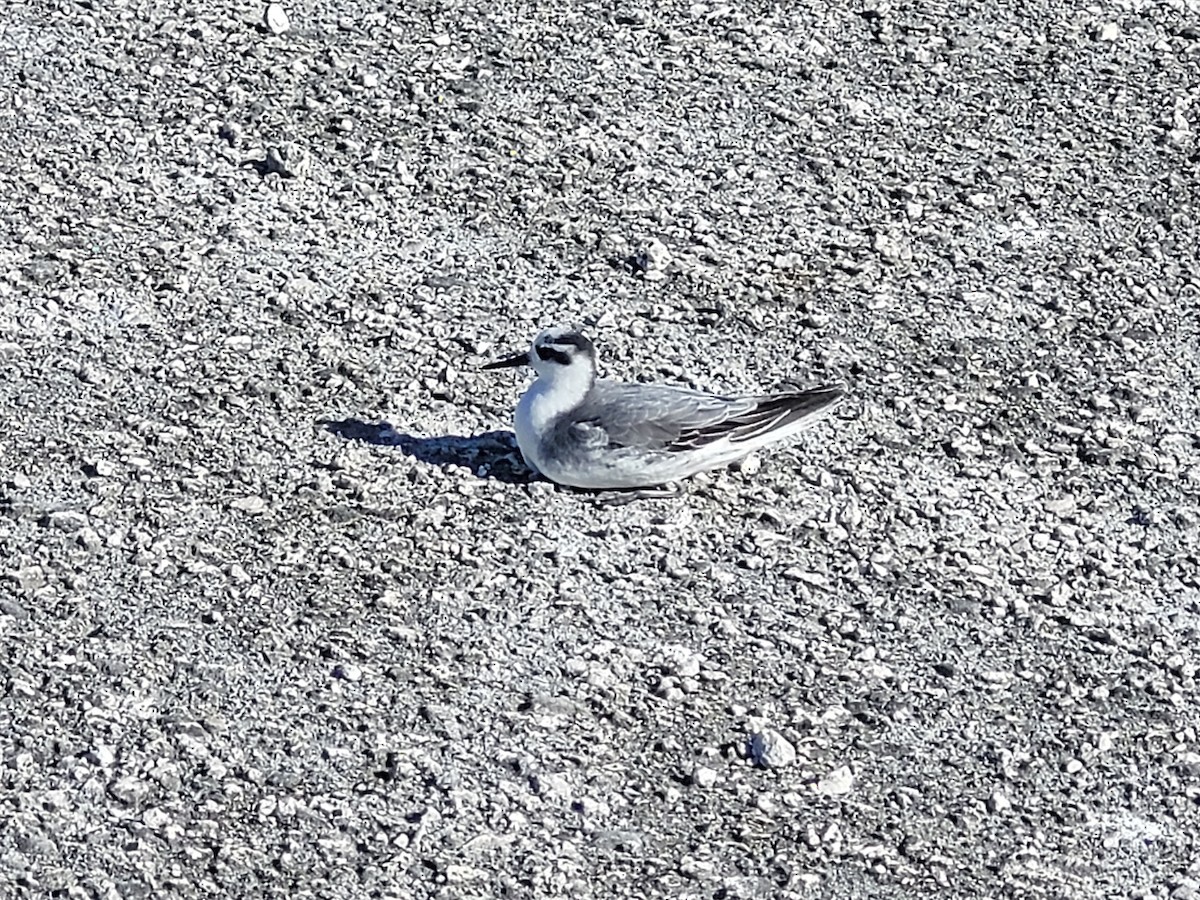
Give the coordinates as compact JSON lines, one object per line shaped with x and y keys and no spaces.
{"x":556,"y":391}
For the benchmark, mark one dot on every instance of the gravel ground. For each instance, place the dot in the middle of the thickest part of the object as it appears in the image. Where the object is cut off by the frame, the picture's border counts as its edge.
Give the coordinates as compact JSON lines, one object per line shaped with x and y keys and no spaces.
{"x":281,"y":612}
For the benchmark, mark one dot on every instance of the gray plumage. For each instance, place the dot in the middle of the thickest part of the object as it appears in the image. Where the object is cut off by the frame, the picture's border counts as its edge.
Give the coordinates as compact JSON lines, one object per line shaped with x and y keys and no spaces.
{"x":595,"y":433}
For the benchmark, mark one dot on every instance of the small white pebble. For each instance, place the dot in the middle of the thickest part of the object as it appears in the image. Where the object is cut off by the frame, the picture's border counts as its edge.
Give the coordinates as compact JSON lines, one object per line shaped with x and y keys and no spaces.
{"x":102,"y":755}
{"x":155,"y":818}
{"x":276,"y":19}
{"x":771,"y":750}
{"x":749,"y":465}
{"x":837,"y":782}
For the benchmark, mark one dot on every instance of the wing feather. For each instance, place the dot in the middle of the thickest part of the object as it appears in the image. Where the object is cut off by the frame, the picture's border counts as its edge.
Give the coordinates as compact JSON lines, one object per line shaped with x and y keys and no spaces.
{"x":672,"y":419}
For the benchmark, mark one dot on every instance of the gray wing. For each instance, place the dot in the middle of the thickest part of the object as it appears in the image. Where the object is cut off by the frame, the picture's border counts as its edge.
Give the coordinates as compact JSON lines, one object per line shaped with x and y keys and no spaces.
{"x":658,"y":417}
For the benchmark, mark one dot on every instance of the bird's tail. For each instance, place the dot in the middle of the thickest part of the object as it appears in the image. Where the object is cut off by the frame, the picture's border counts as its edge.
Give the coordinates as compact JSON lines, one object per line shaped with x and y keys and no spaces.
{"x":773,"y":418}
{"x":779,"y":415}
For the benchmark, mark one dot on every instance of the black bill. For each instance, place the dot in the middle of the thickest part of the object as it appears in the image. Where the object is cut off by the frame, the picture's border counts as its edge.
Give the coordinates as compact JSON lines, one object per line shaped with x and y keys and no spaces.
{"x":521,"y":359}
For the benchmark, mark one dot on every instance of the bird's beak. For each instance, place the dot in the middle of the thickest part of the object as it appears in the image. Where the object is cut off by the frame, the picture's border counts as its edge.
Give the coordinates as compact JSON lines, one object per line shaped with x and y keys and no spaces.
{"x":521,"y":359}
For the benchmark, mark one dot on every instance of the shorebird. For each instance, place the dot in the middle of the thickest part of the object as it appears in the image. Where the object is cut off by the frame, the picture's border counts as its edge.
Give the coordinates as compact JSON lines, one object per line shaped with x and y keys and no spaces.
{"x":593,"y":433}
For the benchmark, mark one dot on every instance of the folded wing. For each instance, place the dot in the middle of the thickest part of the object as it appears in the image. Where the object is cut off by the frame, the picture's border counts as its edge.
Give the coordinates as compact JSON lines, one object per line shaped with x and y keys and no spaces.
{"x":656,"y":417}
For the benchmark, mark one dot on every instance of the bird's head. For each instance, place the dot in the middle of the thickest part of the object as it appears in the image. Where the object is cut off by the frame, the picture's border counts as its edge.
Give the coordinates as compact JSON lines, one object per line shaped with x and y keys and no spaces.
{"x":557,"y":353}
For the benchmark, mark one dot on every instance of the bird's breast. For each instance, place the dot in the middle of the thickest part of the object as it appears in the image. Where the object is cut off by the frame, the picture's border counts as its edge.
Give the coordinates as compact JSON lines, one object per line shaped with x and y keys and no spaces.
{"x":525,"y":426}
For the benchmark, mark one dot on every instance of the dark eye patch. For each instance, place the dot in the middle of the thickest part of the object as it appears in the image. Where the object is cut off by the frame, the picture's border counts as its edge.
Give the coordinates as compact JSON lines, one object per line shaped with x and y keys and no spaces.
{"x":575,"y":339}
{"x":549,"y":354}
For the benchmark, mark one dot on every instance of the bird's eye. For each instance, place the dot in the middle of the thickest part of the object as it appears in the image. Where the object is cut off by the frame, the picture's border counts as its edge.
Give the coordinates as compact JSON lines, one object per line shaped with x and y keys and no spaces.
{"x":548,"y":353}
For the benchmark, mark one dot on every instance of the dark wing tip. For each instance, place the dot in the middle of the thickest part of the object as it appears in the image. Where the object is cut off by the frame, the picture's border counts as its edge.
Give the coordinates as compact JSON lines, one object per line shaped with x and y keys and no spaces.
{"x":811,"y":400}
{"x":838,"y":388}
{"x":773,"y":412}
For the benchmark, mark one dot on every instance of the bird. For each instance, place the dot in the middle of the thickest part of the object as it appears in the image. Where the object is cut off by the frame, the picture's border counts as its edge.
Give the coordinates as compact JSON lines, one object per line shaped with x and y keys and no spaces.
{"x":597,"y":434}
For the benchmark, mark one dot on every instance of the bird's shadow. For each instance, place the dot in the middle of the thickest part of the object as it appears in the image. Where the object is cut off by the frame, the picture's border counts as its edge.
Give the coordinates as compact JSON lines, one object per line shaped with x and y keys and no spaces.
{"x":493,"y":454}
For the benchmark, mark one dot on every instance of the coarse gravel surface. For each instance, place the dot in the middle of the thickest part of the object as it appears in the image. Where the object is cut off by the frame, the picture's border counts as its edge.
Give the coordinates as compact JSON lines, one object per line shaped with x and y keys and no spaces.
{"x":283,"y":615}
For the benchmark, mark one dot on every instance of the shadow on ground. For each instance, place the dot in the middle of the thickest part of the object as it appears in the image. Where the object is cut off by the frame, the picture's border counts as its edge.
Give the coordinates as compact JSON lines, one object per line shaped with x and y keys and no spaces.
{"x":493,"y":454}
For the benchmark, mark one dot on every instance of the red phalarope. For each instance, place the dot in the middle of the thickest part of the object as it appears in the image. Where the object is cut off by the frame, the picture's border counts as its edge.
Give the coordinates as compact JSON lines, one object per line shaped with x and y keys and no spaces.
{"x":587,"y":432}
